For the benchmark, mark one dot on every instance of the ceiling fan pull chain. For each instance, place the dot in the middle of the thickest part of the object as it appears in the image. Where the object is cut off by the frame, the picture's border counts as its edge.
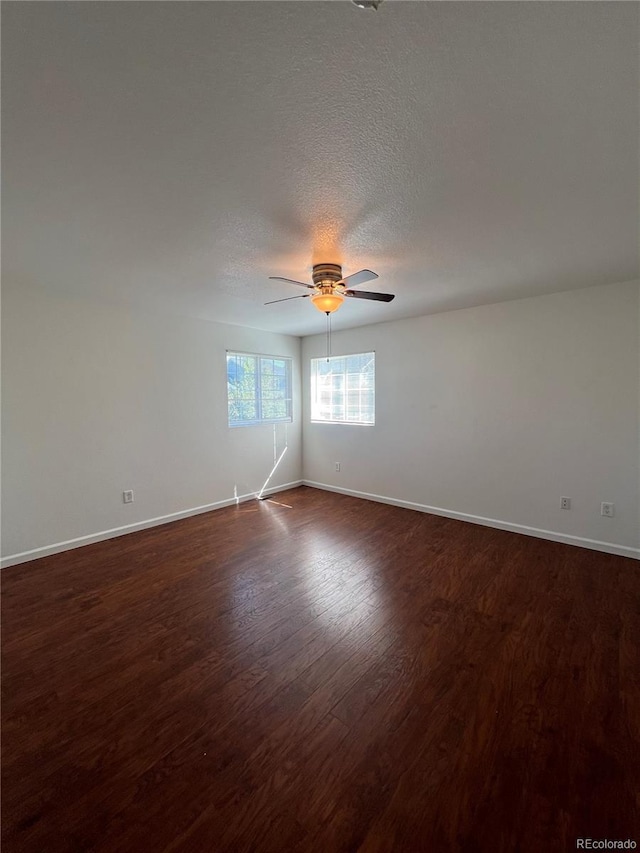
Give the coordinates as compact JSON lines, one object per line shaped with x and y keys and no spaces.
{"x":328,"y":334}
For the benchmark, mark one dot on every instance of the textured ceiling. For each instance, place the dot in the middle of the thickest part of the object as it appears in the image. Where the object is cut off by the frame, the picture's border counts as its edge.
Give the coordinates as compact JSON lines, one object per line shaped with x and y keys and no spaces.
{"x":174,"y":155}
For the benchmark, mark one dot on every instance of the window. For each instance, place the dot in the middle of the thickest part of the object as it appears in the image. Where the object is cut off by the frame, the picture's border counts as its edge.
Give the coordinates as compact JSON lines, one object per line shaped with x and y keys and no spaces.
{"x":258,"y":389}
{"x":343,"y":389}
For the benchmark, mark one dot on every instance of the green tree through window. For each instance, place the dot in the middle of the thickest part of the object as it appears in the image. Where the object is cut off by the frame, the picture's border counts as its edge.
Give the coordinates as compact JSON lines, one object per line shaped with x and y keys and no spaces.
{"x":258,"y":389}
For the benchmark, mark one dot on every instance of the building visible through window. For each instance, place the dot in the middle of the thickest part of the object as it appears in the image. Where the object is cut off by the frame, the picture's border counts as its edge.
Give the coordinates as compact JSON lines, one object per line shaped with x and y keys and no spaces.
{"x":343,"y":389}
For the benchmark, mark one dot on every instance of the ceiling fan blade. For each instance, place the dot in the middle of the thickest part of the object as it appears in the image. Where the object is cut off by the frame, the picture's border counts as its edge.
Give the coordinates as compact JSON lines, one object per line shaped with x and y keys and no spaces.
{"x":357,"y":278}
{"x":366,"y":294}
{"x":290,"y":281}
{"x":287,"y":298}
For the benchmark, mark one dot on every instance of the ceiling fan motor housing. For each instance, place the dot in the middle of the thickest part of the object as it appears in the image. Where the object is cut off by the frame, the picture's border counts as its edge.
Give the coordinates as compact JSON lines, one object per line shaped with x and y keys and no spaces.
{"x":326,"y":273}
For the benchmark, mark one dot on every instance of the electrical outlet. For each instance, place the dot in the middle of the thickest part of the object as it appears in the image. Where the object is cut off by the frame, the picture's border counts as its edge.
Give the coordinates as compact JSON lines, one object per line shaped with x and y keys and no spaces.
{"x":337,"y":466}
{"x":607,"y":509}
{"x":127,"y":497}
{"x":565,"y":503}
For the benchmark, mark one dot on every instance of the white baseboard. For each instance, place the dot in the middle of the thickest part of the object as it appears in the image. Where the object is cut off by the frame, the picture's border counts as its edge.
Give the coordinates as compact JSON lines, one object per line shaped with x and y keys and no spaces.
{"x":58,"y":547}
{"x":551,"y":535}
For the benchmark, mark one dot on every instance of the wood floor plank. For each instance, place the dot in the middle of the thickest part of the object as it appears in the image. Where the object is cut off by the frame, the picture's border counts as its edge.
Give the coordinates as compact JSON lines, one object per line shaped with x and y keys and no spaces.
{"x":260,"y":678}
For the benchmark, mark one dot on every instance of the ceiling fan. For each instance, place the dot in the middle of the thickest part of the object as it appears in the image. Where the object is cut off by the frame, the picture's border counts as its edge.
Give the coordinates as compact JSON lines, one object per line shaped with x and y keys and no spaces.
{"x":329,"y":288}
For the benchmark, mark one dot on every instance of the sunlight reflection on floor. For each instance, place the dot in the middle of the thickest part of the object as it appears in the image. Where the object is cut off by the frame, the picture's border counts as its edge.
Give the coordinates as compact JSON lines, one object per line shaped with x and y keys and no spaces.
{"x":271,"y":501}
{"x":338,"y":578}
{"x":342,"y":581}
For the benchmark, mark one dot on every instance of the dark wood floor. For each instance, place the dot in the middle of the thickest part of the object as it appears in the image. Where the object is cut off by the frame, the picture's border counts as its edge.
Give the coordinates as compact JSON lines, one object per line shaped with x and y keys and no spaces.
{"x":320,"y":673}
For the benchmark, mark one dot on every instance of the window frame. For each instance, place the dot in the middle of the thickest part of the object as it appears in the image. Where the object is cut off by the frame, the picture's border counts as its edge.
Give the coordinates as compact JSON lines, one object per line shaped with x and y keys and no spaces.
{"x":313,"y":390}
{"x":259,"y":398}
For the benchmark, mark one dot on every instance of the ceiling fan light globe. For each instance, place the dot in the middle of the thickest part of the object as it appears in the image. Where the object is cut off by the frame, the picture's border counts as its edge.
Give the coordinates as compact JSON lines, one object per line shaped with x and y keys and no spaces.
{"x":327,"y":302}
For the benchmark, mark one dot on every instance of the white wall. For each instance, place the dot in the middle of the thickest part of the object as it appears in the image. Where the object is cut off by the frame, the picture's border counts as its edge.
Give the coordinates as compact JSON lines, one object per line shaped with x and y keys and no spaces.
{"x":497,"y":412}
{"x":98,"y":398}
{"x":491,"y":412}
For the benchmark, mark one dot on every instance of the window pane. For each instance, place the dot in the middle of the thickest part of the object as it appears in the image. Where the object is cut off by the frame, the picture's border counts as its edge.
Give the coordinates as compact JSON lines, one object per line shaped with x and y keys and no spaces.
{"x":258,"y":389}
{"x":343,"y":389}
